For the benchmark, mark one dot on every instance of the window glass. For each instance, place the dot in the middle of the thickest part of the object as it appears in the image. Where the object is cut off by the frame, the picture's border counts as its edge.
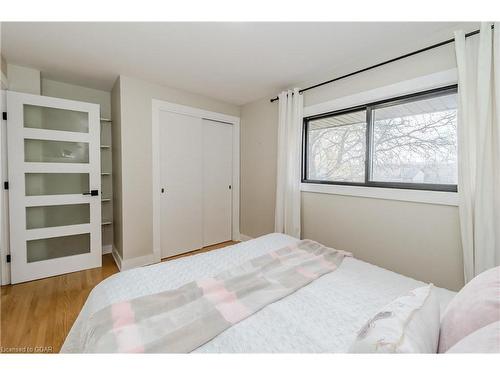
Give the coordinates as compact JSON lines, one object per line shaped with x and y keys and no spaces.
{"x":336,"y":148}
{"x":416,"y":142}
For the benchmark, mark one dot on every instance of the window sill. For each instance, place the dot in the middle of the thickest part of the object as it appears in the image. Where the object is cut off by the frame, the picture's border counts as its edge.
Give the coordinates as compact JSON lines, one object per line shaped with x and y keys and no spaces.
{"x":421,"y":196}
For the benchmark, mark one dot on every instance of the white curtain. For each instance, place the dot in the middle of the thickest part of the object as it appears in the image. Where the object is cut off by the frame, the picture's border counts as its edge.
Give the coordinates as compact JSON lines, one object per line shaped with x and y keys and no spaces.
{"x":478,"y":60}
{"x":287,"y":212}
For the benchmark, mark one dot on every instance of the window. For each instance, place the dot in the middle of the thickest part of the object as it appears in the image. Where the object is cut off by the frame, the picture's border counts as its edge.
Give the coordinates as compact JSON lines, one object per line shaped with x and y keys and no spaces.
{"x":337,"y":147}
{"x":407,"y":142}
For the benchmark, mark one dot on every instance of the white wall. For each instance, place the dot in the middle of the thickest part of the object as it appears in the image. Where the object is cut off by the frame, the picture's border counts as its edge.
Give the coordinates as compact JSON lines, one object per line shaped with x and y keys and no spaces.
{"x":23,"y":79}
{"x":259,"y":137}
{"x":136,"y":161}
{"x":3,"y":71}
{"x":29,"y":80}
{"x":415,"y":239}
{"x":64,"y":90}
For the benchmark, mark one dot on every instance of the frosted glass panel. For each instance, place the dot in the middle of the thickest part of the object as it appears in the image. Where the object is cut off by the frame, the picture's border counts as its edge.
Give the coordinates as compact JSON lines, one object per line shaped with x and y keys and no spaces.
{"x":57,"y":247}
{"x":36,"y":150}
{"x":55,"y":119}
{"x":56,"y":183}
{"x":55,"y":216}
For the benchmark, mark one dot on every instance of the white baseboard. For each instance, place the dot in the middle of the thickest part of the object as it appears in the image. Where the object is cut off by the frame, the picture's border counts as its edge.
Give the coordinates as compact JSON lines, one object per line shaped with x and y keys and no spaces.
{"x":244,"y":237}
{"x":145,"y":260}
{"x":107,"y":249}
{"x":128,"y":264}
{"x":117,"y":258}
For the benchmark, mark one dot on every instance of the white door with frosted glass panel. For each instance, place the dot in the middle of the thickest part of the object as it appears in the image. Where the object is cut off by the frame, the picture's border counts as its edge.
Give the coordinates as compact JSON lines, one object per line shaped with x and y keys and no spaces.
{"x":54,"y":186}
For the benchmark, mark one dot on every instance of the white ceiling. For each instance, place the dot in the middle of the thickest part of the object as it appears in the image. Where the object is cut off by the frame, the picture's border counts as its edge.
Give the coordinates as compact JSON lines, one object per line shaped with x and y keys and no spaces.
{"x":234,"y":62}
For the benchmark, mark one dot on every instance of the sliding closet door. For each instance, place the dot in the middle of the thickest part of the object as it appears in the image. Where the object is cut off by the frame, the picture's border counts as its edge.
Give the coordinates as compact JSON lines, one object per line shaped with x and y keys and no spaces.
{"x":217,"y":179}
{"x":181,"y":183}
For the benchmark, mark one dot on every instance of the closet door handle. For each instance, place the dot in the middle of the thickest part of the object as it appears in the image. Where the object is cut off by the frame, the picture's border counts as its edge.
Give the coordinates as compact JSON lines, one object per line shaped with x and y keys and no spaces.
{"x":92,"y":193}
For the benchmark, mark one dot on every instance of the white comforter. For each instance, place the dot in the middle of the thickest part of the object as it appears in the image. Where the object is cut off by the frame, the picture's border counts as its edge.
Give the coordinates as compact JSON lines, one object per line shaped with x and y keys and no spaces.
{"x":321,"y":317}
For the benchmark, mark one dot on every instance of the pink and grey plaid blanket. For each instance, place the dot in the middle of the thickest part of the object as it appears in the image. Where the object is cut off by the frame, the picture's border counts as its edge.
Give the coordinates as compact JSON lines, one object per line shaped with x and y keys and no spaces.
{"x":181,"y":320}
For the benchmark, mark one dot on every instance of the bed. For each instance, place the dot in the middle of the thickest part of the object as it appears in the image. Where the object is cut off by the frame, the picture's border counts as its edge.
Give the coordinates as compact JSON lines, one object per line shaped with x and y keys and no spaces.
{"x":322,"y":317}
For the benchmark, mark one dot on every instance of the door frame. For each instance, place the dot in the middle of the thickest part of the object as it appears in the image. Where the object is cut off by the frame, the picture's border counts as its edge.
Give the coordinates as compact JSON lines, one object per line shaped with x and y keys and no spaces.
{"x":4,"y":193}
{"x":159,"y":106}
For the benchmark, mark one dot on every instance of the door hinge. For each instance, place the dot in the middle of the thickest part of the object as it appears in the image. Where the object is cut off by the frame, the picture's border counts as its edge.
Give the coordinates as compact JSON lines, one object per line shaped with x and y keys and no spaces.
{"x":6,"y":185}
{"x":4,"y":116}
{"x":8,"y":258}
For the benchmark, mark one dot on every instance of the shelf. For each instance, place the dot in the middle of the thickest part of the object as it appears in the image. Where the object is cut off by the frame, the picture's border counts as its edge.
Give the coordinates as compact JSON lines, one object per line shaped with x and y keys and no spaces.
{"x":106,"y":151}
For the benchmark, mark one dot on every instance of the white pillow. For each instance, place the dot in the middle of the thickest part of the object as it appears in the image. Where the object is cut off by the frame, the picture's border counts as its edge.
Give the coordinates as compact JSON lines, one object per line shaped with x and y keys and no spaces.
{"x":409,"y":324}
{"x":476,"y":305}
{"x":484,"y":340}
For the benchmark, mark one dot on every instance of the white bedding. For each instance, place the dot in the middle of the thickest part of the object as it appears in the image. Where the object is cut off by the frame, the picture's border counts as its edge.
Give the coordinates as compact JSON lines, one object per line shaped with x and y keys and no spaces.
{"x":324,"y":316}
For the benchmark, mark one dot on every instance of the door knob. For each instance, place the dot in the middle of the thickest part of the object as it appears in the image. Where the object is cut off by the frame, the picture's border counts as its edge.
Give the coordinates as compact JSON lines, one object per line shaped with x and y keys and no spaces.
{"x":92,"y":193}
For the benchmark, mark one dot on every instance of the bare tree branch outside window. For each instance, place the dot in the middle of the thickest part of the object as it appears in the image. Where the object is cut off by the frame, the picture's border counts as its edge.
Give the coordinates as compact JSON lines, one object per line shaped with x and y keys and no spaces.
{"x":414,"y":142}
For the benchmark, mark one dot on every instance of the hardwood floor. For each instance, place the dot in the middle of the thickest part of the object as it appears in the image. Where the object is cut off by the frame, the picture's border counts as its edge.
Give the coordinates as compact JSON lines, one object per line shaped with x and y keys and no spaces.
{"x":202,"y":250}
{"x":36,"y":316}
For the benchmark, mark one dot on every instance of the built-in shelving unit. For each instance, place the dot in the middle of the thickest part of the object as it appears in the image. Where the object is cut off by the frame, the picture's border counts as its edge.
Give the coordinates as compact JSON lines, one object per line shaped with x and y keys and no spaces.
{"x":106,"y":186}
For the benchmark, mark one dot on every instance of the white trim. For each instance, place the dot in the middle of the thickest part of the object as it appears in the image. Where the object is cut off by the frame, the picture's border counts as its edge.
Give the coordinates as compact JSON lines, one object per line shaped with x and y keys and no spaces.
{"x":117,"y":258}
{"x":160,"y":105}
{"x":244,"y":237}
{"x":107,"y":249}
{"x":53,"y":267}
{"x":4,"y":197}
{"x":55,"y":135}
{"x":52,"y":200}
{"x":58,"y":168}
{"x":428,"y":82}
{"x":194,"y":112}
{"x":236,"y":183}
{"x":408,"y":195}
{"x":51,"y":232}
{"x":141,"y":261}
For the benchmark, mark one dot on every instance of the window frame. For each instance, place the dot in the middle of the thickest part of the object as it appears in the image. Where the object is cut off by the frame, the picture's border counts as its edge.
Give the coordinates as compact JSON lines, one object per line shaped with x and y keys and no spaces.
{"x":369,"y":108}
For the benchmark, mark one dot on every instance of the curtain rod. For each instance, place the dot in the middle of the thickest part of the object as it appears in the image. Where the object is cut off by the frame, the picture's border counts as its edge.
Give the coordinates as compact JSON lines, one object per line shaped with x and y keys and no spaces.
{"x":383,"y":63}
